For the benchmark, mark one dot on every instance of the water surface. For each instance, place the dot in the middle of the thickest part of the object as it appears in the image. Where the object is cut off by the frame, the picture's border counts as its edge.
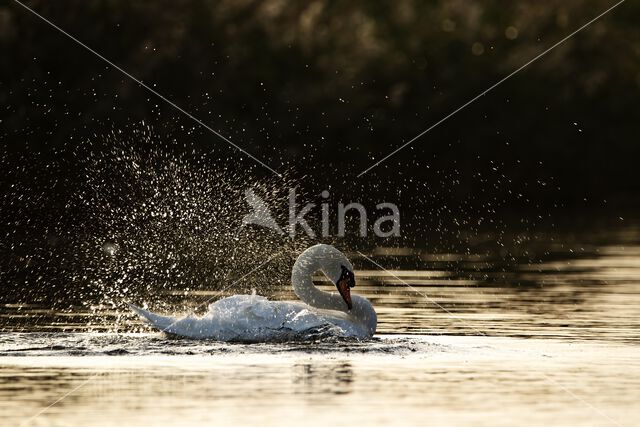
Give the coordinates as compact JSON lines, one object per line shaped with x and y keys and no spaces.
{"x":547,"y":335}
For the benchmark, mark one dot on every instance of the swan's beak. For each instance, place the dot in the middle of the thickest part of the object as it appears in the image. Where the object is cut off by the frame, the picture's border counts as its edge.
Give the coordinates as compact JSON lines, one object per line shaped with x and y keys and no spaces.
{"x":344,"y":288}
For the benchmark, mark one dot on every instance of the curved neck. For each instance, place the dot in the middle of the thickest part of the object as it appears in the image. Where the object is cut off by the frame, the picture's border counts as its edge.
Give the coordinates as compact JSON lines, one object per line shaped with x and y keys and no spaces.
{"x":329,"y":260}
{"x":303,"y":286}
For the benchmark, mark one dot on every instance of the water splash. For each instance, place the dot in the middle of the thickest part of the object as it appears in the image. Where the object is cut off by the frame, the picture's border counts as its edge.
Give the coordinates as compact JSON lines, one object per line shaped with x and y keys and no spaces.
{"x":133,"y":216}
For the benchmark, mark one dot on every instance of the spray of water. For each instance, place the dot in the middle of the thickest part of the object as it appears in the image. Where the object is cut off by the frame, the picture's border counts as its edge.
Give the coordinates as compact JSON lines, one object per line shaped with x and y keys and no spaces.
{"x":125,"y":217}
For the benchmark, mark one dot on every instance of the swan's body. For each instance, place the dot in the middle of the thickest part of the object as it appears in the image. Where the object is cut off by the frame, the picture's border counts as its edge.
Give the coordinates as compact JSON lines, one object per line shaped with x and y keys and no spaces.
{"x":255,"y":318}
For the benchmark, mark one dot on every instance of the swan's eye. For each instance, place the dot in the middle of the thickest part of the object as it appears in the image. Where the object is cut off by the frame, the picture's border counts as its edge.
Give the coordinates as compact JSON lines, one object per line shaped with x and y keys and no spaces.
{"x":348,"y":276}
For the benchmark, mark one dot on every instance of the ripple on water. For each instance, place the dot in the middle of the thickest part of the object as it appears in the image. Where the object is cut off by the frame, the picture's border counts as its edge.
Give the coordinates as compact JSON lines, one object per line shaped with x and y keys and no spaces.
{"x":97,"y":344}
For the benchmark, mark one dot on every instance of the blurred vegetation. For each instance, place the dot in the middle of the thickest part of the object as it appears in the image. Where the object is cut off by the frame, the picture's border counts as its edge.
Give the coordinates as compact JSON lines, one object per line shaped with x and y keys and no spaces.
{"x":334,"y":85}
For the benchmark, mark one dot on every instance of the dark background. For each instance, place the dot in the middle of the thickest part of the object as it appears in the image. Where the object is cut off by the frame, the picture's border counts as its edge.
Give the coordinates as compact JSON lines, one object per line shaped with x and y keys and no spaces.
{"x":324,"y":88}
{"x":319,"y":91}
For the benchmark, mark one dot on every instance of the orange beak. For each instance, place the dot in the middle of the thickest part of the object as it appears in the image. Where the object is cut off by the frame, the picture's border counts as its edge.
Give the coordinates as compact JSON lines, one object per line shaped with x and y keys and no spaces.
{"x":345,"y":291}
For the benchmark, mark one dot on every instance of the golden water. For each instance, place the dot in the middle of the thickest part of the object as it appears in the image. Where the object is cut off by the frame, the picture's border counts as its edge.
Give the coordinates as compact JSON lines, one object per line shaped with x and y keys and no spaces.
{"x":464,"y":339}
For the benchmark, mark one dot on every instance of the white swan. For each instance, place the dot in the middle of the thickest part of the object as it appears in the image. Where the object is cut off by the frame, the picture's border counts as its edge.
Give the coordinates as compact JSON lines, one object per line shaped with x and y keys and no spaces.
{"x":253,"y":318}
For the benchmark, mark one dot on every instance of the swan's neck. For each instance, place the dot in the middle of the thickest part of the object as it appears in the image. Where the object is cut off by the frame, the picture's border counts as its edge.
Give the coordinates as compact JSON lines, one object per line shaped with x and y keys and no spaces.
{"x":305,"y":289}
{"x":313,"y":260}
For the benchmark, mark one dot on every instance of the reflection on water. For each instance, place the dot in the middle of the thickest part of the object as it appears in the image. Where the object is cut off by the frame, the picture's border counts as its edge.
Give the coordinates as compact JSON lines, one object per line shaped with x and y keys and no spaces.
{"x":451,"y":350}
{"x":331,"y":378}
{"x":396,"y":380}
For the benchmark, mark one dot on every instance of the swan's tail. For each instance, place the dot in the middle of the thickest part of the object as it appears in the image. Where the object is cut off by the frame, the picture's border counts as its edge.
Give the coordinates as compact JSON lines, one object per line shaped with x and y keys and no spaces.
{"x":164,"y":323}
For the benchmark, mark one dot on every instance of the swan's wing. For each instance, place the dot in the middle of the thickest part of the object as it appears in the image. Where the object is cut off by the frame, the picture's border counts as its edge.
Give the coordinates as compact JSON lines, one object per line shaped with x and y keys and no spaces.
{"x":240,"y":317}
{"x":255,"y":318}
{"x":189,"y":326}
{"x":247,"y":312}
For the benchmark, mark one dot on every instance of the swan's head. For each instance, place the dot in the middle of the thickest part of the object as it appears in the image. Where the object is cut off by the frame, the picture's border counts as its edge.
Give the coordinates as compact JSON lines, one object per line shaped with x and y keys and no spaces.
{"x":336,"y":267}
{"x":344,"y":284}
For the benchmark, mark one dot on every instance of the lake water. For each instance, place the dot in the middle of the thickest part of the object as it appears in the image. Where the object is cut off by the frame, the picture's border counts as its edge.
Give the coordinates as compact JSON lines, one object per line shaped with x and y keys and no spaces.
{"x":548,"y":334}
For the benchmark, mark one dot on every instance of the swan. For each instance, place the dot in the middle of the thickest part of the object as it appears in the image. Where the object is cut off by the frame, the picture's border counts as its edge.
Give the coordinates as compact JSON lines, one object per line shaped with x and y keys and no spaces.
{"x":253,"y":318}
